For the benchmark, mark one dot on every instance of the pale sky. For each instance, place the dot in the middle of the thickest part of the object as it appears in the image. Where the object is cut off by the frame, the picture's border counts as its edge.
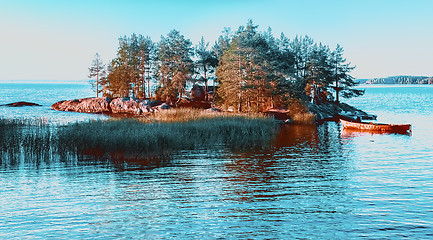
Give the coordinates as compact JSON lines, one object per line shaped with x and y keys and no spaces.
{"x":57,"y":39}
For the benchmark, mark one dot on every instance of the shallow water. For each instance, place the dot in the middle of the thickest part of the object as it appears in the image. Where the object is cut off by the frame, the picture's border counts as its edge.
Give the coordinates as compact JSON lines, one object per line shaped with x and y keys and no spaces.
{"x":313,"y":183}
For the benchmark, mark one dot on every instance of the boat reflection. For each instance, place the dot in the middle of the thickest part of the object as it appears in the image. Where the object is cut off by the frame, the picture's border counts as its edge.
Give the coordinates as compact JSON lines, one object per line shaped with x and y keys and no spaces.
{"x":349,"y":133}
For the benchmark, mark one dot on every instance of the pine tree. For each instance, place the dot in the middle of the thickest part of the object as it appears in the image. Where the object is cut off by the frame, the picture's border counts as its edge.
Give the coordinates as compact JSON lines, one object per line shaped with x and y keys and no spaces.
{"x":319,"y":74}
{"x":147,"y":49}
{"x":230,"y":77}
{"x":174,"y":65}
{"x":206,"y":63}
{"x":344,"y":82}
{"x":97,"y":69}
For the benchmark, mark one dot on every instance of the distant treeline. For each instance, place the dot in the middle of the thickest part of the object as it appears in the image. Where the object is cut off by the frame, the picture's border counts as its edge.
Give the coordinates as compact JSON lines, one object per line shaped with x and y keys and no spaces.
{"x":399,"y":80}
{"x":251,"y":70}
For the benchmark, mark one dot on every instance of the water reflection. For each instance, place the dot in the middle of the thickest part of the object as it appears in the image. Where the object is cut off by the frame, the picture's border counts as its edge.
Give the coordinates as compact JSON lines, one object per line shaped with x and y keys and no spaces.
{"x":349,"y":133}
{"x":295,"y":135}
{"x":304,"y":160}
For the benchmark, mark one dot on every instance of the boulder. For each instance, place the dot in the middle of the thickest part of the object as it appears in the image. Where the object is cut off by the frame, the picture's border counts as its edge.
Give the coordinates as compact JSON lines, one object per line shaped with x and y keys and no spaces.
{"x":125,"y":105}
{"x":161,"y":107}
{"x":164,"y":106}
{"x":145,"y":106}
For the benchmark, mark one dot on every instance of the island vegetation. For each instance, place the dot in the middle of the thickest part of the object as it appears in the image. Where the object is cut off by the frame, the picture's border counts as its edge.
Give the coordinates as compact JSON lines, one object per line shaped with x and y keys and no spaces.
{"x":250,"y":71}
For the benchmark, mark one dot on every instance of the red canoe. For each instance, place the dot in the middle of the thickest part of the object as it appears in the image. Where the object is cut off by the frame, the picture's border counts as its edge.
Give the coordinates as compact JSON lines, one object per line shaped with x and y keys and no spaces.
{"x":377,"y":127}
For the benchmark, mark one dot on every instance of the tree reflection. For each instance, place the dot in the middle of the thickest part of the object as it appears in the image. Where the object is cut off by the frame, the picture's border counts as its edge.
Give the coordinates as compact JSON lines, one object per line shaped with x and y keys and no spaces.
{"x":304,"y":160}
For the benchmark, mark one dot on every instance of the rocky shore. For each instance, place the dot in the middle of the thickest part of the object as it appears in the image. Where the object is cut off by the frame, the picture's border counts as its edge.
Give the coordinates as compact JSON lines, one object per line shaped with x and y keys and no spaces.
{"x":333,"y":111}
{"x":136,"y":107}
{"x":106,"y":105}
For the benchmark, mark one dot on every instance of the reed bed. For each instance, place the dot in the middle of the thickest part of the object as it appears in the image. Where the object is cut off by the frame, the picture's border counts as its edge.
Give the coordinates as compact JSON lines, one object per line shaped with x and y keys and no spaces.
{"x":134,"y":138}
{"x":33,"y":137}
{"x":131,"y":137}
{"x":10,"y":135}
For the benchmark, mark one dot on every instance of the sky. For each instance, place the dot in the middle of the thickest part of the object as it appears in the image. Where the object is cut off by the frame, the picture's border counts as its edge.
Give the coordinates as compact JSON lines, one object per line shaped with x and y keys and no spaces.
{"x":57,"y":39}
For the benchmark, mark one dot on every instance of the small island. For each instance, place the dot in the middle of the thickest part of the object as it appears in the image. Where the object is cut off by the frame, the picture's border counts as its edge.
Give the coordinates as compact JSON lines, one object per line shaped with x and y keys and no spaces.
{"x":295,"y":80}
{"x":21,"y":104}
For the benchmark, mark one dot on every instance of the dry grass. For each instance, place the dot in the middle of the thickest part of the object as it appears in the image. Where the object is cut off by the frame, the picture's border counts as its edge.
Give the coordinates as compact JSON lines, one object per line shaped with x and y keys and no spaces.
{"x":192,"y":114}
{"x":304,"y":118}
{"x":299,"y":112}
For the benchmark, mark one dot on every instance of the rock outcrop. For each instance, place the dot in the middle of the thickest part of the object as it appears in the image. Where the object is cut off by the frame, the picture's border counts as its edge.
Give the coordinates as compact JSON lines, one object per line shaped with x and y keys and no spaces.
{"x":84,"y":105}
{"x":333,"y":112}
{"x":127,"y":105}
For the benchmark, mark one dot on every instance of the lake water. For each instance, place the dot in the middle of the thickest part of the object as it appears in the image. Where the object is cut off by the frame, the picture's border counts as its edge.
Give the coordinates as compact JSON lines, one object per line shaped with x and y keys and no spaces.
{"x":313,"y":183}
{"x":45,"y":94}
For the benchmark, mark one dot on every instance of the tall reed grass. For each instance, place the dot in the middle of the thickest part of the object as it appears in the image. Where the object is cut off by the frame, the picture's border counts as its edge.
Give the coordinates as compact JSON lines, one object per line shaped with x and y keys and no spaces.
{"x":31,"y":137}
{"x":134,"y":138}
{"x":10,"y":136}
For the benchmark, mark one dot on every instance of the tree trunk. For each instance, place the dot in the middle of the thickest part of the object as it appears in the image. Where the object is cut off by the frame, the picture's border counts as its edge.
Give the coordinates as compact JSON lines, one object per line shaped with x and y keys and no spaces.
{"x":148,"y":81}
{"x":240,"y":102}
{"x":205,"y":84}
{"x":143,"y":72}
{"x":97,"y":78}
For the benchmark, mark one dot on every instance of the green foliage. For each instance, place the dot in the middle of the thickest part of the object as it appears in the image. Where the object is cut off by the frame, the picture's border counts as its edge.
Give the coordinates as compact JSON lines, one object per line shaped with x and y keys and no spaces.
{"x":206,"y":63}
{"x":344,"y":82}
{"x":175,"y":65}
{"x":129,"y":72}
{"x":253,"y":70}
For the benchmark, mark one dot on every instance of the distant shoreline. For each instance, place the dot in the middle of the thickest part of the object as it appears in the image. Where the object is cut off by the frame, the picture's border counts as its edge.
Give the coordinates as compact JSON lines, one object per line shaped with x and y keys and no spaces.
{"x":407,"y":80}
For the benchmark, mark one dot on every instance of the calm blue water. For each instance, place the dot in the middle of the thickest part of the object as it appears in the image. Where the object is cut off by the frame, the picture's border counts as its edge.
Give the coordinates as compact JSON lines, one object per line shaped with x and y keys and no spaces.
{"x":45,"y":94}
{"x":313,"y":183}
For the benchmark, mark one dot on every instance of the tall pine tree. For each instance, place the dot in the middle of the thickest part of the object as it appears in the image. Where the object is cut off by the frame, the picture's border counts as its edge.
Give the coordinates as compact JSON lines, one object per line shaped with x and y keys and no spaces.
{"x":97,"y":70}
{"x":344,"y":82}
{"x":175,"y":65}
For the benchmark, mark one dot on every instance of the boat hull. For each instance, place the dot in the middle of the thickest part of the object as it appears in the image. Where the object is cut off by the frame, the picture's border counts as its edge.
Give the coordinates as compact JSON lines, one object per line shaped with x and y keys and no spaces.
{"x":376,"y":127}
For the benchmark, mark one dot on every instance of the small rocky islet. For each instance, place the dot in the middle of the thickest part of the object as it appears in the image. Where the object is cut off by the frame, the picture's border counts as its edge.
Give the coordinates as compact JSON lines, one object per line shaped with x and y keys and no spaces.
{"x":329,"y":111}
{"x":21,"y":104}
